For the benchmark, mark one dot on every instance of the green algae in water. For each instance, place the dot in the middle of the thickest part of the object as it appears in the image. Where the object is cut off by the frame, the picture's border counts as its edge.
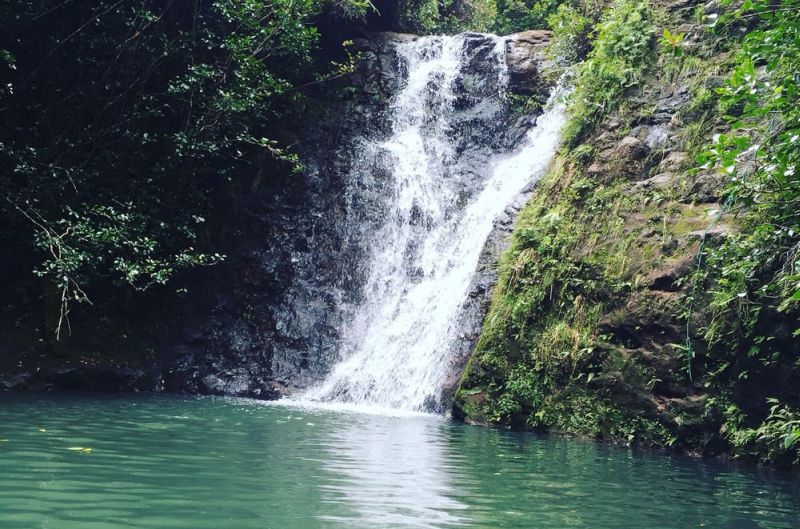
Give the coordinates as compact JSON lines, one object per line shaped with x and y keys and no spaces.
{"x":171,"y":462}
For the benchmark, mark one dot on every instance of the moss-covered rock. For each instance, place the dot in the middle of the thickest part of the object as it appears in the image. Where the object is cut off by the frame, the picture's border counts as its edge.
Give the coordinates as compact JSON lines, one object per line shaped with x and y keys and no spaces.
{"x":599,"y":322}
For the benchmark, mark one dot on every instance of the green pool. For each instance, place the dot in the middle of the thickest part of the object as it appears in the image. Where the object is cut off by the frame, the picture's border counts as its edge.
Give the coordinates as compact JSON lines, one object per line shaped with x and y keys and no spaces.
{"x":91,"y":462}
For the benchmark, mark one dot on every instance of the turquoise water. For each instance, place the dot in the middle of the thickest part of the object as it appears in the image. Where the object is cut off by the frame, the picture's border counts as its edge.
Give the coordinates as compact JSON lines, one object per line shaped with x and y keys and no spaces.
{"x":84,"y":462}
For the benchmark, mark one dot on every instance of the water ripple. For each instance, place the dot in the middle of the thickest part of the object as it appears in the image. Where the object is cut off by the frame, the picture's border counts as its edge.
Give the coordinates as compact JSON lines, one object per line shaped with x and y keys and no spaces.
{"x":160,"y":462}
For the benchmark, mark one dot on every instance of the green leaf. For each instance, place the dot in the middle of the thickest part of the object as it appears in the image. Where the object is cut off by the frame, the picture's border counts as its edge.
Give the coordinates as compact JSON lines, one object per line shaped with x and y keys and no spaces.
{"x":791,"y":439}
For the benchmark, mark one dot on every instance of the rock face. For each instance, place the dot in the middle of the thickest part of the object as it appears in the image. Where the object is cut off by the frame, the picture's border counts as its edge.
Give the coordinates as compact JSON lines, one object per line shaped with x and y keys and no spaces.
{"x":525,"y":57}
{"x":599,"y":326}
{"x":268,"y":320}
{"x":305,"y":283}
{"x":85,"y":378}
{"x":474,"y":309}
{"x":278,"y":327}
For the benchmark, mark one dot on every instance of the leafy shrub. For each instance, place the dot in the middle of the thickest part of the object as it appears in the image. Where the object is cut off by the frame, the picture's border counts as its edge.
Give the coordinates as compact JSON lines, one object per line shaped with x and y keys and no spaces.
{"x":620,"y":52}
{"x":761,"y":156}
{"x":752,"y":276}
{"x":519,"y":15}
{"x":123,"y":120}
{"x":446,"y":16}
{"x":571,"y":29}
{"x":777,"y":439}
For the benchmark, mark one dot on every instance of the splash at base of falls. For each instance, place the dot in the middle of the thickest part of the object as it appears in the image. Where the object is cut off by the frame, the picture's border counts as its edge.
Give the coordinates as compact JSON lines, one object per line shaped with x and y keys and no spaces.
{"x":439,"y":210}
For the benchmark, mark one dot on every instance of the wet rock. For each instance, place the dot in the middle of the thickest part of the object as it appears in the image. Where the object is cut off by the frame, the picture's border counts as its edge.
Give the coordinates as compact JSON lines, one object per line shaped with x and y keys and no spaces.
{"x":376,"y":74}
{"x":668,"y":278}
{"x":14,"y":381}
{"x":667,"y":106}
{"x":654,"y":136}
{"x":103,"y":379}
{"x":657,"y":137}
{"x":524,"y":57}
{"x":632,"y":148}
{"x":238,"y":382}
{"x":216,"y":385}
{"x":342,"y":207}
{"x":675,"y":161}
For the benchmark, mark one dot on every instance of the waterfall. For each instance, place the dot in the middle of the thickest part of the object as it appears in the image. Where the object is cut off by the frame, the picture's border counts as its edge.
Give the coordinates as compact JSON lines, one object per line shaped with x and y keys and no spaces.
{"x":439,"y":209}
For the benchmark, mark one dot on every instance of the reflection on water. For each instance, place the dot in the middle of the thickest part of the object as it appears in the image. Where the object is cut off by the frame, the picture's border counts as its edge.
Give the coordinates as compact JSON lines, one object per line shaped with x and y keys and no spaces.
{"x":394,"y":474}
{"x":175,"y":463}
{"x":558,"y":483}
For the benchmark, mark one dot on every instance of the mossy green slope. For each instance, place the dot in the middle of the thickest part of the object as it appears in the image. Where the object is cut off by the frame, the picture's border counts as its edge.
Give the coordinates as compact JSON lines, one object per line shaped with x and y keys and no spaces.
{"x":600,"y":293}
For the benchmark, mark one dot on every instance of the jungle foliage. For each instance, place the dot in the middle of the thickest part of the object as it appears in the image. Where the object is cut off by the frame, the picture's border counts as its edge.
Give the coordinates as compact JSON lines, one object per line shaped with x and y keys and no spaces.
{"x":753,"y":276}
{"x":122,"y":120}
{"x":542,"y":360}
{"x":623,"y":46}
{"x":501,"y":17}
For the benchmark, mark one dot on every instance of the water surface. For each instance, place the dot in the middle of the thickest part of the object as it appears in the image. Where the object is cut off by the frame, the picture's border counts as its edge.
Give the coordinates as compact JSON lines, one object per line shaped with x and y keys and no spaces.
{"x":84,"y":462}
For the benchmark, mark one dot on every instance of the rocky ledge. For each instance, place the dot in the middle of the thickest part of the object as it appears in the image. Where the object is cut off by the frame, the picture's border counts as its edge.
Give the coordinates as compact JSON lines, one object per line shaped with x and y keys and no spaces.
{"x":267,"y":321}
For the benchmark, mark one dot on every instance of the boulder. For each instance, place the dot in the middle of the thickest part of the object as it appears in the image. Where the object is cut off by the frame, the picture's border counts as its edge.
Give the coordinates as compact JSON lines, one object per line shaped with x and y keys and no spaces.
{"x":524,"y":57}
{"x":632,"y":148}
{"x":659,"y":181}
{"x":675,"y":161}
{"x":667,"y":278}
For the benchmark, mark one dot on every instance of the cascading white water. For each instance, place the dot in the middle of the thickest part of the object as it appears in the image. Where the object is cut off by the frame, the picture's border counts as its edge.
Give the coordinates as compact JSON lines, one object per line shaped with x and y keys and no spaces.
{"x":397,"y":349}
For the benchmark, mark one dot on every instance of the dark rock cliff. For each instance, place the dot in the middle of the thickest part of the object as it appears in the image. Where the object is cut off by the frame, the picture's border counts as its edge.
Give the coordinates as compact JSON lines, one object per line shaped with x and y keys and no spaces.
{"x":267,"y":320}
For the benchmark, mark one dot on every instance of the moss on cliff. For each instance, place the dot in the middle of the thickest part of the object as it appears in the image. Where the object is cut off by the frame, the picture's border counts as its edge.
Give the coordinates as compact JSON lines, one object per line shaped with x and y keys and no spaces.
{"x":587,"y":333}
{"x":543,"y":359}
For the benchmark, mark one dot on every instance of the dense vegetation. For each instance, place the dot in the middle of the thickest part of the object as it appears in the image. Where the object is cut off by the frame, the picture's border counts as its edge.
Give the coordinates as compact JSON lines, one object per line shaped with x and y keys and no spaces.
{"x":621,"y":47}
{"x":122,"y":120}
{"x":752,"y":278}
{"x":560,"y":347}
{"x":496,"y":16}
{"x":539,"y":350}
